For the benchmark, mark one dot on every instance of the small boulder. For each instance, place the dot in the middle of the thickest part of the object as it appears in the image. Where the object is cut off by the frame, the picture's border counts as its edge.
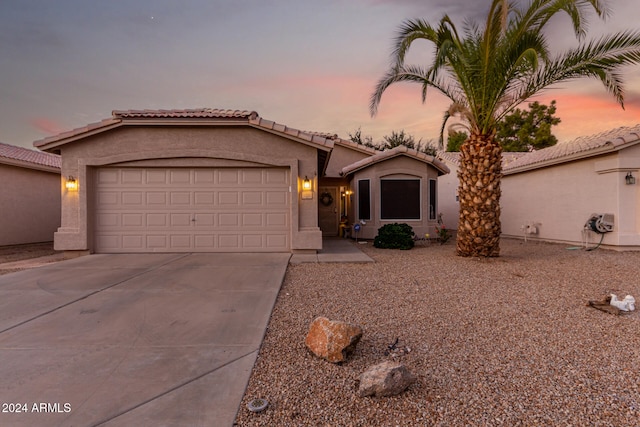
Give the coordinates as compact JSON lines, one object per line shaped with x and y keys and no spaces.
{"x":332,"y":340}
{"x":385,"y":379}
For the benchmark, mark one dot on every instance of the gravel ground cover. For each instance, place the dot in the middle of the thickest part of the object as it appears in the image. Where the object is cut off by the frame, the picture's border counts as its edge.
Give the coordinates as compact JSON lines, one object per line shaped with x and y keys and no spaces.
{"x":502,"y":341}
{"x":22,"y":252}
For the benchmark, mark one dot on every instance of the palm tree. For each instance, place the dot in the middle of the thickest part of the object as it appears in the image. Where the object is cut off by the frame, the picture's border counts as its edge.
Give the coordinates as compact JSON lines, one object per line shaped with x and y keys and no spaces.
{"x":487,"y":73}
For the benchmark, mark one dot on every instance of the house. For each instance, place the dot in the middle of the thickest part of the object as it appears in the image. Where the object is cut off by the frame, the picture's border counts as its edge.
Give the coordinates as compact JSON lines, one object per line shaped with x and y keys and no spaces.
{"x":208,"y":180}
{"x":550,"y":194}
{"x":30,"y":195}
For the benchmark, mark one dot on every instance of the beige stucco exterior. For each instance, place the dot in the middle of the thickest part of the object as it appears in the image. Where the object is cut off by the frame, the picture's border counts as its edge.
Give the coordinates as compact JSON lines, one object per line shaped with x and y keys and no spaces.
{"x":205,"y":141}
{"x":30,"y":204}
{"x":553,"y":203}
{"x":178,"y":146}
{"x":396,"y":167}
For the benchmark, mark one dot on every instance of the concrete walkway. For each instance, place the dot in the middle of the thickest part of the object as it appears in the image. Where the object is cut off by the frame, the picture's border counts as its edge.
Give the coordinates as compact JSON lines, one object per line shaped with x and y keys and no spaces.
{"x":124,"y":340}
{"x":334,"y":250}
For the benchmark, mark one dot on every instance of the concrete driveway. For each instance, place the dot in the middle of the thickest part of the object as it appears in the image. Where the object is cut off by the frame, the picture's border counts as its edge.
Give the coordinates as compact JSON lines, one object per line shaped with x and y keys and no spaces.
{"x":123,"y":340}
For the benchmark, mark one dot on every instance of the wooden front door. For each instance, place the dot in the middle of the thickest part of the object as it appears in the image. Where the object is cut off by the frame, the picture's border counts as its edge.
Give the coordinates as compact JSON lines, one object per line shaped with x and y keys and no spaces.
{"x":329,"y":210}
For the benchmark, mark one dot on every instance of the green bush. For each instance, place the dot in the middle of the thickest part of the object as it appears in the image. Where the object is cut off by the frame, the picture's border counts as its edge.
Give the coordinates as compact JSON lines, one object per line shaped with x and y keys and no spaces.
{"x":394,"y":236}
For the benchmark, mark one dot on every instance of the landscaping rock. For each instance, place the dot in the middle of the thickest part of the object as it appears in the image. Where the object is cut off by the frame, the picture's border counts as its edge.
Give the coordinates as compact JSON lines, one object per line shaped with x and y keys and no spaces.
{"x":332,"y":340}
{"x":385,"y":379}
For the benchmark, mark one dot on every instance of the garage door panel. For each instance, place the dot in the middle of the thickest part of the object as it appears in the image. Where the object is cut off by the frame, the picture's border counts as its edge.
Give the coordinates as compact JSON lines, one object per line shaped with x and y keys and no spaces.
{"x":180,"y":198}
{"x":228,"y":220}
{"x":204,"y":220}
{"x":157,"y":220}
{"x":276,"y":220}
{"x":155,"y":176}
{"x":252,"y":220}
{"x":228,"y":198}
{"x":108,"y":176}
{"x":276,"y":242}
{"x":181,"y":241}
{"x":132,"y":176}
{"x":180,"y":220}
{"x":108,"y":220}
{"x":132,"y":198}
{"x":108,"y":198}
{"x":133,"y":242}
{"x":227,"y":176}
{"x":156,"y":198}
{"x":132,"y":220}
{"x":204,"y":198}
{"x":157,"y":241}
{"x":228,"y":241}
{"x":252,"y":197}
{"x":192,"y":209}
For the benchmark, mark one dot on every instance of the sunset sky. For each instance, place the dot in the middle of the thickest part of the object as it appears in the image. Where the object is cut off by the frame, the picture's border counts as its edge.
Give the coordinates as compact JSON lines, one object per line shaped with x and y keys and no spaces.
{"x":311,"y":65}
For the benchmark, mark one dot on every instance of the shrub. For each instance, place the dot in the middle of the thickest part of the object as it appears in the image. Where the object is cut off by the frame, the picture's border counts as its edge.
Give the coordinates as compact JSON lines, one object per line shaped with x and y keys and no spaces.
{"x":394,"y":236}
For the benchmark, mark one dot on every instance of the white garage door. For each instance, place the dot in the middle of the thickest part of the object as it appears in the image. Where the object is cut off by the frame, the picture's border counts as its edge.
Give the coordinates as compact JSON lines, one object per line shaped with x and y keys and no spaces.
{"x":192,"y":210}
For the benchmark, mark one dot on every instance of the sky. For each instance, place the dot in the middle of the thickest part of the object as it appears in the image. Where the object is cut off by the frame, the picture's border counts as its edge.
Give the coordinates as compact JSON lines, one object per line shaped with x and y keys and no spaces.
{"x":311,"y":65}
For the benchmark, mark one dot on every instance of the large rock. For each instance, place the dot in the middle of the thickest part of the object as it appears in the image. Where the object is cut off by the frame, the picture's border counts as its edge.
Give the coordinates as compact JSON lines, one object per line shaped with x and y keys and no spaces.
{"x":332,"y":340}
{"x":385,"y":379}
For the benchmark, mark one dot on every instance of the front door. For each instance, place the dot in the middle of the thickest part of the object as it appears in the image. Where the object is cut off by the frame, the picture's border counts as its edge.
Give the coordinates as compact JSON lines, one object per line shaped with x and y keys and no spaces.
{"x":329,"y":210}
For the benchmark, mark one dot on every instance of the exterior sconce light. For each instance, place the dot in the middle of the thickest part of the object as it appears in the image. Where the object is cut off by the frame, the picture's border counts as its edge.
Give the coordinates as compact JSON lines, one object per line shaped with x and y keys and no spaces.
{"x":629,"y":179}
{"x":307,"y":192}
{"x":71,"y":184}
{"x":306,"y":184}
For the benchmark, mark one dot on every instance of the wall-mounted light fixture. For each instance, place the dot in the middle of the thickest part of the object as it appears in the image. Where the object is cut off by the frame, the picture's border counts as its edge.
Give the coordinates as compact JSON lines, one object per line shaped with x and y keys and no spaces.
{"x":71,"y":184}
{"x":630,"y":179}
{"x":306,"y":184}
{"x":307,"y":189}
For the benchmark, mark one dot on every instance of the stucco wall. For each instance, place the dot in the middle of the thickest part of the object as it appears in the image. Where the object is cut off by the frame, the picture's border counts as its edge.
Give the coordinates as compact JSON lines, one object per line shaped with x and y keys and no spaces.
{"x":448,"y":205}
{"x":30,"y":200}
{"x":398,"y":167}
{"x":165,"y":144}
{"x":558,"y":200}
{"x":341,"y":157}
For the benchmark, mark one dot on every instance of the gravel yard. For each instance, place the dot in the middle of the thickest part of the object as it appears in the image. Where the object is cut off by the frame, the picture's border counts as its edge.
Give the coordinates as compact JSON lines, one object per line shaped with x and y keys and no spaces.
{"x":503,"y":341}
{"x":13,"y":253}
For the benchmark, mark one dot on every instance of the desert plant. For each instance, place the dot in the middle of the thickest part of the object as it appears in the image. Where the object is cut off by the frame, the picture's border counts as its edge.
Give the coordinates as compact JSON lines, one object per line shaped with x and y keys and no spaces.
{"x":487,"y":71}
{"x":394,"y":236}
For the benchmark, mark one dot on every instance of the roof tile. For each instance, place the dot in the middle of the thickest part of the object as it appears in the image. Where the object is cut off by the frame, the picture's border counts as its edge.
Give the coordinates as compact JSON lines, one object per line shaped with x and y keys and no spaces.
{"x":188,"y":113}
{"x":564,"y":151}
{"x":29,"y":156}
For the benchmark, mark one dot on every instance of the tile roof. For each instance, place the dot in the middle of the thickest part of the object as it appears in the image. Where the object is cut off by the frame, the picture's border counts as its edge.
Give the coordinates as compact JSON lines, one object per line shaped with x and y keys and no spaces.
{"x":188,"y":113}
{"x":394,"y":152}
{"x":312,"y":137}
{"x":23,"y":156}
{"x":453,"y":157}
{"x":121,"y":117}
{"x":582,"y":147}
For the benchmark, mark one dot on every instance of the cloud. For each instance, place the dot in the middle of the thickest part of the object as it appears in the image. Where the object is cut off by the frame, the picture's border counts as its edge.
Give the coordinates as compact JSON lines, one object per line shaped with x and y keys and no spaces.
{"x":46,"y":125}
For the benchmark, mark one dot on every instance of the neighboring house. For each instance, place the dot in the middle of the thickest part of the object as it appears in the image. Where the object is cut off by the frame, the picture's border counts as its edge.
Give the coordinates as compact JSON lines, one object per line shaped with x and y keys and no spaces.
{"x":210,"y":180}
{"x":550,"y":194}
{"x":29,"y":195}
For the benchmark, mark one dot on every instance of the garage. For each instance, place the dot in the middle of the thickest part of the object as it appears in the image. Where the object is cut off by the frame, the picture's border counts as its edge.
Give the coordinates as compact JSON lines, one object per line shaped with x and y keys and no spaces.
{"x":192,"y":209}
{"x":201,"y":180}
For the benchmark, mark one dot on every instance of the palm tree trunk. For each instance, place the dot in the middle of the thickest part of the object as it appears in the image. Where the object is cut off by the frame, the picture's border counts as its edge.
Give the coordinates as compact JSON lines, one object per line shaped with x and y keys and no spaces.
{"x":479,"y":175}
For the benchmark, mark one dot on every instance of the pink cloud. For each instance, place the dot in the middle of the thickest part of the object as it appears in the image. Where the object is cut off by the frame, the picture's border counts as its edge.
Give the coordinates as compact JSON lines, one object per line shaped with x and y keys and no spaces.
{"x":584,"y":114}
{"x":47,"y":125}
